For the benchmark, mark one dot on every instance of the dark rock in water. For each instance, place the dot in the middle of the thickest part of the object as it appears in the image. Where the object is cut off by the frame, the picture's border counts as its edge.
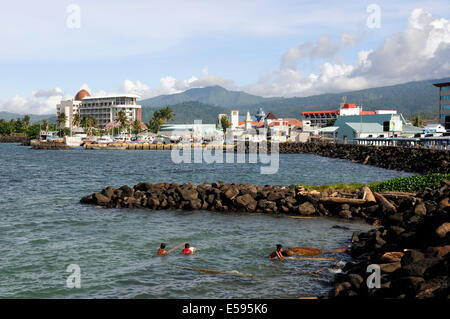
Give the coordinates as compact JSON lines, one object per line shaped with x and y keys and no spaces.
{"x":412,"y":256}
{"x":426,"y":266}
{"x":127,"y":190}
{"x":390,"y":267}
{"x":345,"y":214}
{"x":189,"y":194}
{"x":247,"y":202}
{"x":420,"y":209}
{"x":443,"y":230}
{"x":100,"y":199}
{"x":409,"y":284}
{"x":355,"y":237}
{"x":355,"y":280}
{"x":231,"y":193}
{"x":195,"y":204}
{"x":340,"y":227}
{"x":306,"y":209}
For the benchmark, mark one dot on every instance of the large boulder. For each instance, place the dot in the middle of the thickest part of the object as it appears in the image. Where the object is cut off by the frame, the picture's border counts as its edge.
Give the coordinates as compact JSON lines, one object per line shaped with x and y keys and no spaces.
{"x":100,"y":199}
{"x":306,"y":209}
{"x":188,"y":194}
{"x":442,"y":230}
{"x":247,"y":202}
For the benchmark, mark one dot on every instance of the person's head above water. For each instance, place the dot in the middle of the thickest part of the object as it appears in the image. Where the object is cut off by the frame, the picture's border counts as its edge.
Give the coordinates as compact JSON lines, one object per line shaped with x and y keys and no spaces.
{"x":186,"y":245}
{"x":279,"y":247}
{"x":163,"y":246}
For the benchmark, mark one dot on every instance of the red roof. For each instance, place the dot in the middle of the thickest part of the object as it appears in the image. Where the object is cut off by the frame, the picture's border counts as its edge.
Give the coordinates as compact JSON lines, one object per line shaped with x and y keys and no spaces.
{"x":349,"y":106}
{"x":271,"y":116}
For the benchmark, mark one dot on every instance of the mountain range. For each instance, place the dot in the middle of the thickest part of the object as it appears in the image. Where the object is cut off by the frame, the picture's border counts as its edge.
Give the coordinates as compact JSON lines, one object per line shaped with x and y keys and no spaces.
{"x":34,"y":118}
{"x":410,"y":99}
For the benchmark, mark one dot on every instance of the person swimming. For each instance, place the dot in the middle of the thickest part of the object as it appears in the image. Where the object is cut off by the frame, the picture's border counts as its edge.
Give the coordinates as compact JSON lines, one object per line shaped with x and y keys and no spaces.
{"x":188,"y":249}
{"x":278,"y":253}
{"x":162,"y":250}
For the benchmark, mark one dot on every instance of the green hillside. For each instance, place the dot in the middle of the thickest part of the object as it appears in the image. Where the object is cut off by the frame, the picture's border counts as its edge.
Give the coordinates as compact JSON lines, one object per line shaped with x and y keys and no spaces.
{"x":7,"y":116}
{"x":411,"y":98}
{"x":213,"y":95}
{"x":187,"y":112}
{"x":419,"y":97}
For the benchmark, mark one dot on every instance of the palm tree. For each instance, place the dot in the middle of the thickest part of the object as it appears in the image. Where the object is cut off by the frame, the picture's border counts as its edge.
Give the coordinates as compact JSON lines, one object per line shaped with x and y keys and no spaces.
{"x":88,"y":123}
{"x":26,"y":121}
{"x":417,"y":121}
{"x":224,"y":123}
{"x":45,"y":124}
{"x":76,"y":120}
{"x":166,"y":114}
{"x":122,"y":119}
{"x":61,"y":120}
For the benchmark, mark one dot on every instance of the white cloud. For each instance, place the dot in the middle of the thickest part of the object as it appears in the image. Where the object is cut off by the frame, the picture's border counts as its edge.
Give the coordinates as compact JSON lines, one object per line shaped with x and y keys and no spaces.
{"x":38,"y":102}
{"x":420,"y":52}
{"x":170,"y":85}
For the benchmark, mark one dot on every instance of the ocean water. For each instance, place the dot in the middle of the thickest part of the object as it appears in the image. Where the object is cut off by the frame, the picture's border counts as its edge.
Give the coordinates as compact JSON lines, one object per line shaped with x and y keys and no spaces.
{"x":44,"y":228}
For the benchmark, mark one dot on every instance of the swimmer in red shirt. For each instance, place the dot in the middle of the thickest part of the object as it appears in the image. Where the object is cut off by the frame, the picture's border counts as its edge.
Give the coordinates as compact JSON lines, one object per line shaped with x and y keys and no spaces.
{"x":188,"y":250}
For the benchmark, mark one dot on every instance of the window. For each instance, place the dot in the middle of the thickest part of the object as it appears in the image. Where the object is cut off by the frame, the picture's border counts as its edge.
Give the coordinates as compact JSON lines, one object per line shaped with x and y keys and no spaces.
{"x":445,"y":97}
{"x":445,"y":107}
{"x":445,"y":88}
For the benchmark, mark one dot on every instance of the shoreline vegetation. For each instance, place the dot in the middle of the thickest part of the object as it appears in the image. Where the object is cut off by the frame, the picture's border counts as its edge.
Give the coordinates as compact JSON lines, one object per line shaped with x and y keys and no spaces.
{"x":410,"y":243}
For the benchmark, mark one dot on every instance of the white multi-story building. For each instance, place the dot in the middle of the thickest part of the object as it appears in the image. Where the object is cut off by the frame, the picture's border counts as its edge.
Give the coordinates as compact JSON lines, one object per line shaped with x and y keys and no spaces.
{"x":70,"y":107}
{"x":105,"y":109}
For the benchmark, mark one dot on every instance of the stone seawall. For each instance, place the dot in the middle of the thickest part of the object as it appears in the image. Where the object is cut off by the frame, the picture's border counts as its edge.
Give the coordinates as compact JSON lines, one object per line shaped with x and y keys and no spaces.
{"x":251,"y":198}
{"x":411,"y":249}
{"x":424,"y":161}
{"x":13,"y":139}
{"x":44,"y":145}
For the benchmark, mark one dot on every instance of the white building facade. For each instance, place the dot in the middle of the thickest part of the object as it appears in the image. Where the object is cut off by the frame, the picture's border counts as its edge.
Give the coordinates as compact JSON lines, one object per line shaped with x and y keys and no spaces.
{"x":105,"y":109}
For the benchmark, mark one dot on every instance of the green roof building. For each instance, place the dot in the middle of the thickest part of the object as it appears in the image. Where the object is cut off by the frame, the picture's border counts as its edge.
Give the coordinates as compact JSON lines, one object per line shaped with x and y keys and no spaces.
{"x":347,"y":128}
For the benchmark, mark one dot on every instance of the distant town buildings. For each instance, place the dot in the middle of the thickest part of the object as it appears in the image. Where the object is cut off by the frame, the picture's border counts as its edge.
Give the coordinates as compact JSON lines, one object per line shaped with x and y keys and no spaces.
{"x":313,"y":120}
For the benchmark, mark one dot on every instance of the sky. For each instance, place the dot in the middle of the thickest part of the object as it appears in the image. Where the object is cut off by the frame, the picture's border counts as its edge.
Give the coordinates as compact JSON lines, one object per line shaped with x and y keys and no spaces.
{"x":51,"y":49}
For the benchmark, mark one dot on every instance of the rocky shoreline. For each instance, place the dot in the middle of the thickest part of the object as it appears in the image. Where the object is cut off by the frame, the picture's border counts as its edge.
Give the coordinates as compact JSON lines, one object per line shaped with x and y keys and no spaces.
{"x":250,"y":198}
{"x":412,"y":247}
{"x":419,"y":160}
{"x":13,"y":139}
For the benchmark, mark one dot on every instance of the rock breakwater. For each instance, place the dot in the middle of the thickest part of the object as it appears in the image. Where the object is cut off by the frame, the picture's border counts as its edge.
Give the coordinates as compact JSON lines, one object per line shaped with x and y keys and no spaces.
{"x":411,"y":250}
{"x":222,"y":197}
{"x":419,"y":160}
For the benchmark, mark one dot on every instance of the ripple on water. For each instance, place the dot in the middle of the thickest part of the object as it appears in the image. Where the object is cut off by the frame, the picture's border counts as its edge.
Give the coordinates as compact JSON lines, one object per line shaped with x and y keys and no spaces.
{"x":43,"y":228}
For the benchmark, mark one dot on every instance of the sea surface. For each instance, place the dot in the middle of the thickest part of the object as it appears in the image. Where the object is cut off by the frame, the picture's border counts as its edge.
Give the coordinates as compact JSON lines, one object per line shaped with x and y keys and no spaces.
{"x":44,"y":228}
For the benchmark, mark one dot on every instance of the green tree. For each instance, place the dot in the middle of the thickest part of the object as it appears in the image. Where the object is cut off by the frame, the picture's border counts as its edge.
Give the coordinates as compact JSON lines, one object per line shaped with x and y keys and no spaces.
{"x":61,"y":120}
{"x":26,"y":121}
{"x":76,"y":120}
{"x":166,"y":114}
{"x":330,"y":122}
{"x":160,"y":117}
{"x":417,"y":121}
{"x":122,"y":119}
{"x":137,"y":127}
{"x":88,"y":123}
{"x":224,"y":123}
